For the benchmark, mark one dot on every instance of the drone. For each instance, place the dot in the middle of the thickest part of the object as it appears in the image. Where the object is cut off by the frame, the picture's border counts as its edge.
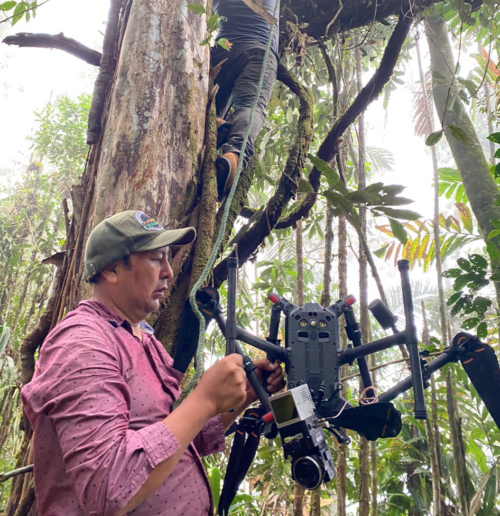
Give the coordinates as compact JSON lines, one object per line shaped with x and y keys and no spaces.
{"x":313,"y":402}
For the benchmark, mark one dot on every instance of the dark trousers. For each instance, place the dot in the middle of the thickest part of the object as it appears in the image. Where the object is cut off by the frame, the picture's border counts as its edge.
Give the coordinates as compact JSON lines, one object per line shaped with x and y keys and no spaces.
{"x":238,"y":81}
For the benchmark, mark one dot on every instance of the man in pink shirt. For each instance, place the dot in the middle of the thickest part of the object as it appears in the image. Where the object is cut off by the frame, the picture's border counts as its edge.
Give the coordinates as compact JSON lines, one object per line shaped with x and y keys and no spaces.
{"x":106,"y":440}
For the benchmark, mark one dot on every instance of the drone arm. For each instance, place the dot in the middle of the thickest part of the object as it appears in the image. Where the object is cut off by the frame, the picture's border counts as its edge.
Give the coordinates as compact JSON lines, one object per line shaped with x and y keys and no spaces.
{"x":354,"y":334}
{"x":277,"y":352}
{"x":429,"y":369}
{"x":348,"y":356}
{"x":419,"y":408}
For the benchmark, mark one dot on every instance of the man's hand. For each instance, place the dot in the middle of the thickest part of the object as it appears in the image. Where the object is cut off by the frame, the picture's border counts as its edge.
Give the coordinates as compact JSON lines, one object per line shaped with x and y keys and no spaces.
{"x":222,"y":386}
{"x":275,"y":381}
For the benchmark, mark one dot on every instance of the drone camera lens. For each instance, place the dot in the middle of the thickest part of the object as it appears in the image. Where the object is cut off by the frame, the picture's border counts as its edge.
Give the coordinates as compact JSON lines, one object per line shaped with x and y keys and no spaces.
{"x":308,"y":472}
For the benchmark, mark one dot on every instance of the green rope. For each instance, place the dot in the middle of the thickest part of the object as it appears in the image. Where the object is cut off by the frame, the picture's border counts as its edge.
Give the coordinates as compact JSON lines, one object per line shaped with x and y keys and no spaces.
{"x":206,"y":271}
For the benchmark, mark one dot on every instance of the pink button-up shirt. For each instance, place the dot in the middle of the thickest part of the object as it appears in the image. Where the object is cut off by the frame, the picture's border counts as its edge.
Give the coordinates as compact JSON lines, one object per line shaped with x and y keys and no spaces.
{"x":96,"y":405}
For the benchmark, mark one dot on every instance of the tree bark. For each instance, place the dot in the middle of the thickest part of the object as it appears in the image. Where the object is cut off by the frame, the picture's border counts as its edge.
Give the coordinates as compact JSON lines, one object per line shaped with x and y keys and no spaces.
{"x":315,"y":502}
{"x":431,"y":437}
{"x":349,"y":14}
{"x":480,"y":187}
{"x":461,"y":475}
{"x":364,"y":447}
{"x":435,"y":222}
{"x":298,"y":490}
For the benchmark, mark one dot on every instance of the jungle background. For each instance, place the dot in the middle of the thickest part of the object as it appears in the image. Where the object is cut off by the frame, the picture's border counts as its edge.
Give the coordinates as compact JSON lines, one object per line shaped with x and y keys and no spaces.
{"x":320,"y":213}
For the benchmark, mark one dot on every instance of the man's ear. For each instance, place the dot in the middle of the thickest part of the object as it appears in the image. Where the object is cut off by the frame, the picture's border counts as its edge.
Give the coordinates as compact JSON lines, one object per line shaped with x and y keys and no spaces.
{"x":110,"y":273}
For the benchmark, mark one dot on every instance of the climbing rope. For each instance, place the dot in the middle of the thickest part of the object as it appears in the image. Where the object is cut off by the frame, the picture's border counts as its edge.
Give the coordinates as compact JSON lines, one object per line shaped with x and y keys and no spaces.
{"x":213,"y":256}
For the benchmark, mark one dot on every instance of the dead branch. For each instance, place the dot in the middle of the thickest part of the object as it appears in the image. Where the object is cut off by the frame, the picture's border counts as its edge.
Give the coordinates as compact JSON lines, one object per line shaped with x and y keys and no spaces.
{"x":57,"y":41}
{"x":108,"y":65}
{"x":287,"y":185}
{"x":370,"y":92}
{"x":21,"y":471}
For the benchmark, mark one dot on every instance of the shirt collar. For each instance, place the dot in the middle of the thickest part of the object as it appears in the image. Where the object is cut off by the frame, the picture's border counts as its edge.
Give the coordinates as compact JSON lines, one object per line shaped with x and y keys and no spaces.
{"x":112,"y":317}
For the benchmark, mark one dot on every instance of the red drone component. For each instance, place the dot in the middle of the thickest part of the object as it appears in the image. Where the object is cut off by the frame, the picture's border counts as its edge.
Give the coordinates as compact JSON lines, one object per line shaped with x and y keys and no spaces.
{"x":267,"y":418}
{"x":273,"y":298}
{"x":350,"y":300}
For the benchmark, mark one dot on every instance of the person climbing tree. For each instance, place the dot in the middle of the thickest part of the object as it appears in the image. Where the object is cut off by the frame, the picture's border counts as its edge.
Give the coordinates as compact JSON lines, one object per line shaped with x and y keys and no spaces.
{"x":247,"y":31}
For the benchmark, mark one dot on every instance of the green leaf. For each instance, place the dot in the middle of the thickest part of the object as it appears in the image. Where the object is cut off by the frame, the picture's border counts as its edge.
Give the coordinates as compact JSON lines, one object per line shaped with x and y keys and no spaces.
{"x":399,"y":231}
{"x":339,"y":202}
{"x":464,"y":264}
{"x":196,"y":8}
{"x":380,"y":253}
{"x":470,"y":323}
{"x":494,"y":137}
{"x":399,"y":214}
{"x":493,"y":251}
{"x":304,"y":186}
{"x":478,"y":261}
{"x":375,"y":188}
{"x":331,"y":176}
{"x":213,"y":23}
{"x":215,"y":484}
{"x":452,"y":273}
{"x":454,"y":298}
{"x":495,"y":277}
{"x":497,"y":153}
{"x":393,"y":189}
{"x":458,"y":133}
{"x":433,"y":138}
{"x":19,"y":12}
{"x":362,"y":196}
{"x":4,"y":338}
{"x":461,"y":281}
{"x":7,"y":6}
{"x":223,"y":42}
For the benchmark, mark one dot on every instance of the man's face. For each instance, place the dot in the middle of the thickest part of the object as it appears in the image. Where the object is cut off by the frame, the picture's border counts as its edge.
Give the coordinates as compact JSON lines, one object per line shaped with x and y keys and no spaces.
{"x":143,"y":283}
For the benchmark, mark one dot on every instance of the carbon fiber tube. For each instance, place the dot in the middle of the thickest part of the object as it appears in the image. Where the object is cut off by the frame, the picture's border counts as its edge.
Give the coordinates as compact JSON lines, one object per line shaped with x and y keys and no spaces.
{"x":357,"y":341}
{"x":407,"y":383}
{"x":232,"y":276}
{"x":419,"y":409}
{"x":277,"y":352}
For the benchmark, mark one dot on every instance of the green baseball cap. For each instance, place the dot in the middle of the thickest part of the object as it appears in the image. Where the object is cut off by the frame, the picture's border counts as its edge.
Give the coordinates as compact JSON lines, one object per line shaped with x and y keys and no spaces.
{"x":126,"y":233}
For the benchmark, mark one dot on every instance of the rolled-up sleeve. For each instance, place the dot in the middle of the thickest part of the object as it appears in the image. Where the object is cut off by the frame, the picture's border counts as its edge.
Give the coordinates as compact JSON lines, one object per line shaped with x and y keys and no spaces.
{"x":86,"y":397}
{"x":211,"y":438}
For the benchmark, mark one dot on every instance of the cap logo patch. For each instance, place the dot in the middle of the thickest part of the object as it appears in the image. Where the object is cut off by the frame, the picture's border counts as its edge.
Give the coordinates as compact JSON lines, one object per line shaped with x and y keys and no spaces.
{"x":147,"y":222}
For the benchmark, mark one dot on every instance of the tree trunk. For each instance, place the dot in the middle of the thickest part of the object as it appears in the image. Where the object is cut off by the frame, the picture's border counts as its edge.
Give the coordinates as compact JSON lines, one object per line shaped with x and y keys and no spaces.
{"x":364,"y":446}
{"x":480,"y":187}
{"x":435,"y":222}
{"x":461,"y":476}
{"x":298,"y":490}
{"x":431,"y":437}
{"x":315,"y":502}
{"x":153,"y":129}
{"x":342,"y":449}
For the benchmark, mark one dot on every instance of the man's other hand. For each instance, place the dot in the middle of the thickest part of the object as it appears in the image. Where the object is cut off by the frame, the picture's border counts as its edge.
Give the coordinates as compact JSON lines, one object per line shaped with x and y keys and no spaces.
{"x":275,"y":381}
